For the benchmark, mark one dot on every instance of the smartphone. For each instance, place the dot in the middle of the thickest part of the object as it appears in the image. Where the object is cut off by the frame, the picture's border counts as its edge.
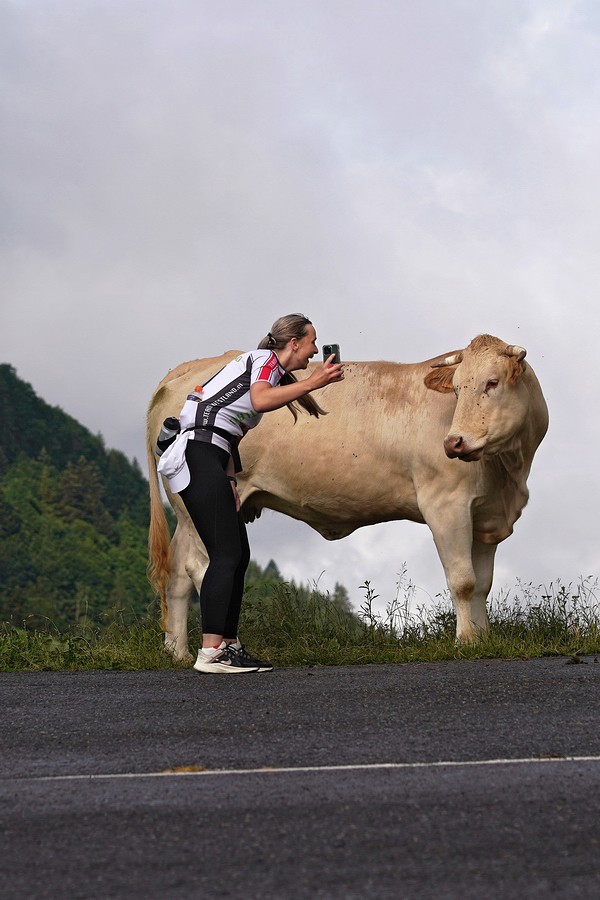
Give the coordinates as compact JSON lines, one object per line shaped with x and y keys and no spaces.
{"x":328,"y":349}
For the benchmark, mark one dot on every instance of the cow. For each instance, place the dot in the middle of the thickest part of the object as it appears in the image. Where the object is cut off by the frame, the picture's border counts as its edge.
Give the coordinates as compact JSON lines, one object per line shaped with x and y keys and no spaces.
{"x":447,"y":442}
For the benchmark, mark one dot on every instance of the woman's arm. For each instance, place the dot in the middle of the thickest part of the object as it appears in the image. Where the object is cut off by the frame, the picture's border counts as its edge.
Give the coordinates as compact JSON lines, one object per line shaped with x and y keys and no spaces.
{"x":265,"y":397}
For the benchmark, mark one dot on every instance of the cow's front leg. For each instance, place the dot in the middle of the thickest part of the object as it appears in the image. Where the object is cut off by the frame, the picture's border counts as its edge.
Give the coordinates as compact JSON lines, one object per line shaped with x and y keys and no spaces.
{"x":483,"y":556}
{"x":179,"y":592}
{"x":454,"y":543}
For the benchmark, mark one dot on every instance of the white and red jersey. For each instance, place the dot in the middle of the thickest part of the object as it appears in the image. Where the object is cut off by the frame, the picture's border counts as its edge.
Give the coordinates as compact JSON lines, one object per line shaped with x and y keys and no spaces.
{"x":225,"y":402}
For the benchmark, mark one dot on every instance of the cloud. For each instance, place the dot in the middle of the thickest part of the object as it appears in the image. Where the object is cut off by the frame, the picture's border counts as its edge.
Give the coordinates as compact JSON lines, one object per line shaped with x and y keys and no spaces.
{"x":177,"y":175}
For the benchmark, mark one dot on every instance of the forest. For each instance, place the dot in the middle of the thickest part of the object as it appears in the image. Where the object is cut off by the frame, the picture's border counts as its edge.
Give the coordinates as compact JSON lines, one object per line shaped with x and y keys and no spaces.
{"x":74,"y":522}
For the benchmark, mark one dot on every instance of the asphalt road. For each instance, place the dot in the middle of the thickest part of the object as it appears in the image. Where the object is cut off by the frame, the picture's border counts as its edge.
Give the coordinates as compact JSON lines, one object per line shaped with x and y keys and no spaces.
{"x":441,"y":780}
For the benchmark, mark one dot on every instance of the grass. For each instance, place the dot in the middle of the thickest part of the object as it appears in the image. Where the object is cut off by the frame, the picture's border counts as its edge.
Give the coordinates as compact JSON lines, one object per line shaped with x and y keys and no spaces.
{"x":529,"y":622}
{"x":293,"y":629}
{"x":120,"y":646}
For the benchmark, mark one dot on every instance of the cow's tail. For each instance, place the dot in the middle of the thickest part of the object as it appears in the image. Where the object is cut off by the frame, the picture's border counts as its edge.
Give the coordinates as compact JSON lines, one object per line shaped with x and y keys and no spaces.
{"x":159,"y":562}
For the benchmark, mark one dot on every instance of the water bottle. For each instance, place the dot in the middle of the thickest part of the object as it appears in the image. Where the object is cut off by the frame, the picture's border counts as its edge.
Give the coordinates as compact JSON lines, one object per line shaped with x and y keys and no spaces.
{"x":196,"y":393}
{"x":169,"y":431}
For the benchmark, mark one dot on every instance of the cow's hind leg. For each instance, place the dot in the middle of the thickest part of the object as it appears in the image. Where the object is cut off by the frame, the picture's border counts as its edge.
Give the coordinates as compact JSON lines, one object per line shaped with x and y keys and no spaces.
{"x":483,"y":565}
{"x":179,"y":592}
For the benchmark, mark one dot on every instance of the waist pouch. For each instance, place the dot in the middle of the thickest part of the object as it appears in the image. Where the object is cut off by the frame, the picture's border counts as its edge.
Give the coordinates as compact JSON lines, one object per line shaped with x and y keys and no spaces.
{"x":171,"y":428}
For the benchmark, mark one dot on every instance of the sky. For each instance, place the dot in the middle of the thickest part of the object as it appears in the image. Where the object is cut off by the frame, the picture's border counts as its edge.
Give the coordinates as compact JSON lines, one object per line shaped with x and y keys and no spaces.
{"x":177,"y":174}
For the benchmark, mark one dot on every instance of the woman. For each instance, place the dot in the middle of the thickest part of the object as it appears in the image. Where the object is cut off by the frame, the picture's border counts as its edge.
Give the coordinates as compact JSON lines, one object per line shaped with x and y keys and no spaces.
{"x":215,"y":418}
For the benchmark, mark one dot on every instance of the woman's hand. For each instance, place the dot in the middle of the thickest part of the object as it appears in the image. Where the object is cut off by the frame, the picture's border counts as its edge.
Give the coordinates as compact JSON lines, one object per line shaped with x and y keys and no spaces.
{"x":230,"y":472}
{"x":328,"y":373}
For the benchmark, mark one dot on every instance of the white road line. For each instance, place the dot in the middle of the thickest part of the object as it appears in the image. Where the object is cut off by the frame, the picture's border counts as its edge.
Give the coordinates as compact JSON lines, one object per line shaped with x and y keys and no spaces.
{"x":274,"y":770}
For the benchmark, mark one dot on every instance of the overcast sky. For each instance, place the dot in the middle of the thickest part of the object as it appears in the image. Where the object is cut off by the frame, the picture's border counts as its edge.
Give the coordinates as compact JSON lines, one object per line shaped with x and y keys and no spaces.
{"x":176,"y":174}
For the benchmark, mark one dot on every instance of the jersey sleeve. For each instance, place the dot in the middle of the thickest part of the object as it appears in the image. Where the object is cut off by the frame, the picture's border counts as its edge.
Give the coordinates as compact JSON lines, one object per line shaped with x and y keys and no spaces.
{"x":266,"y":368}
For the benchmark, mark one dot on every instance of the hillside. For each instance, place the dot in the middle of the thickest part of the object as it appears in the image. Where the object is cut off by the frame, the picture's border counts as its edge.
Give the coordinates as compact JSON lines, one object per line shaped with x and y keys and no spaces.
{"x":29,"y":425}
{"x":73,"y":518}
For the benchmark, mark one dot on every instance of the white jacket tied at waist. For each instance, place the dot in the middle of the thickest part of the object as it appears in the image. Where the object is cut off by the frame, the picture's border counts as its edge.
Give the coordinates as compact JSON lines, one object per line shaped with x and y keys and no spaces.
{"x":173,"y":465}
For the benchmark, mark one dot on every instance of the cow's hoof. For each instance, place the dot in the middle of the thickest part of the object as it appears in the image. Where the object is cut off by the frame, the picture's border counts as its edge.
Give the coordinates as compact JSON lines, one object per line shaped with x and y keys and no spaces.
{"x":462,"y":639}
{"x":182,"y":655}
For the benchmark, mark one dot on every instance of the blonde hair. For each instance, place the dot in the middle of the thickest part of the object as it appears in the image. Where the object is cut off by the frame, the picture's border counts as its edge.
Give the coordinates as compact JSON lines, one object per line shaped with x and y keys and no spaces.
{"x":282,"y":332}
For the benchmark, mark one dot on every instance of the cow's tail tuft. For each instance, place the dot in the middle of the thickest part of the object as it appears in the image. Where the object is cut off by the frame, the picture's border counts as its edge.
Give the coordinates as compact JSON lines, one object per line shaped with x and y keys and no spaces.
{"x":159,"y":556}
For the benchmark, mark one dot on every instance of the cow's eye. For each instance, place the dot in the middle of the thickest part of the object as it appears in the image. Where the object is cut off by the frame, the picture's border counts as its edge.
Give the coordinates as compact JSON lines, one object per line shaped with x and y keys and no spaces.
{"x":492,"y":383}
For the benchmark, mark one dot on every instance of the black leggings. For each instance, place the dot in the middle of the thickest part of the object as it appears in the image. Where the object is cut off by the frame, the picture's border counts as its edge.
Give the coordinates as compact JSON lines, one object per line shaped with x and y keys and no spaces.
{"x":210,"y":502}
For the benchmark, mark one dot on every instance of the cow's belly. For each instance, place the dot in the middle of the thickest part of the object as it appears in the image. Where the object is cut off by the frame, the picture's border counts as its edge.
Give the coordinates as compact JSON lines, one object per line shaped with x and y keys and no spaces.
{"x":335,"y":518}
{"x":336,"y":506}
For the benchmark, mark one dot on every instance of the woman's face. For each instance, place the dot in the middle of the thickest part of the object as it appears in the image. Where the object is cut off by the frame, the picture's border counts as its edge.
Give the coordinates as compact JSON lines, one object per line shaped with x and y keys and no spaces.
{"x":305,"y":348}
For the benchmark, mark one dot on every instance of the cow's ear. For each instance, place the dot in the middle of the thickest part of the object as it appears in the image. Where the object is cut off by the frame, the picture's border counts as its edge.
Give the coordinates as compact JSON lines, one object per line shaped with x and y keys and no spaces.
{"x":440,"y":379}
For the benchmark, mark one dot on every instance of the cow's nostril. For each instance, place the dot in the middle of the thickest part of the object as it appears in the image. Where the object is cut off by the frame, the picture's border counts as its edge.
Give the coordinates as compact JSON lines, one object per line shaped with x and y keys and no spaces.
{"x":453,"y":444}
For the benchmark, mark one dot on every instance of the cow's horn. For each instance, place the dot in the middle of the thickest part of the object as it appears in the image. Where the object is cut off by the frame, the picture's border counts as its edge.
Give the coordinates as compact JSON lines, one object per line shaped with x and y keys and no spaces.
{"x":449,"y":361}
{"x":514,"y":350}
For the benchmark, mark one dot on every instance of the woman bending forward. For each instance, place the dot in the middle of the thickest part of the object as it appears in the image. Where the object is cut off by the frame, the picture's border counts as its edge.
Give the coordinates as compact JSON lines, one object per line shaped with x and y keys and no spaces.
{"x":214,"y":420}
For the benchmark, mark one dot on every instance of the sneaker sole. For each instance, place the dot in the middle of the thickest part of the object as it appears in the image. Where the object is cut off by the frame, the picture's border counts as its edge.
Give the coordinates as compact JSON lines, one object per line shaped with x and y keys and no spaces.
{"x":220,"y":669}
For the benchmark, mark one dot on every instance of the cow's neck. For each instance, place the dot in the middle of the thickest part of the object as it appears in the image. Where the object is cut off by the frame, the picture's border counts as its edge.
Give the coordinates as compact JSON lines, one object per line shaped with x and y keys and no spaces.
{"x":509,"y":464}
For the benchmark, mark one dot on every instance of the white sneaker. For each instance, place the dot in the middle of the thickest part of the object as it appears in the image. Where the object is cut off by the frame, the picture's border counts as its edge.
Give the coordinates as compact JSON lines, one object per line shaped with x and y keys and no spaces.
{"x":206,"y":655}
{"x":224,"y":659}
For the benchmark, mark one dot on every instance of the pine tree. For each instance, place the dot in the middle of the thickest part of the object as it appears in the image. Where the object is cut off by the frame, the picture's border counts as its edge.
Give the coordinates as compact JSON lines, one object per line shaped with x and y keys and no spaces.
{"x":79,"y":494}
{"x":271,"y":571}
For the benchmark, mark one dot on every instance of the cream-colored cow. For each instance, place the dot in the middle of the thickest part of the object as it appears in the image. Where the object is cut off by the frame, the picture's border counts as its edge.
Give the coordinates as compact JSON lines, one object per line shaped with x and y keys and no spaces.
{"x":447,"y":442}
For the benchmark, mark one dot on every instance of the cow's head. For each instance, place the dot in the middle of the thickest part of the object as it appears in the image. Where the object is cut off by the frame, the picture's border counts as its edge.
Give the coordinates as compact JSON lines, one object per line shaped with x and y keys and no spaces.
{"x":491,"y":404}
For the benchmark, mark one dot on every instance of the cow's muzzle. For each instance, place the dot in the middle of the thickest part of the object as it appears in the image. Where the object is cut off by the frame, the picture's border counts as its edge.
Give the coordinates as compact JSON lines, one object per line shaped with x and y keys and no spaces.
{"x":459,"y":447}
